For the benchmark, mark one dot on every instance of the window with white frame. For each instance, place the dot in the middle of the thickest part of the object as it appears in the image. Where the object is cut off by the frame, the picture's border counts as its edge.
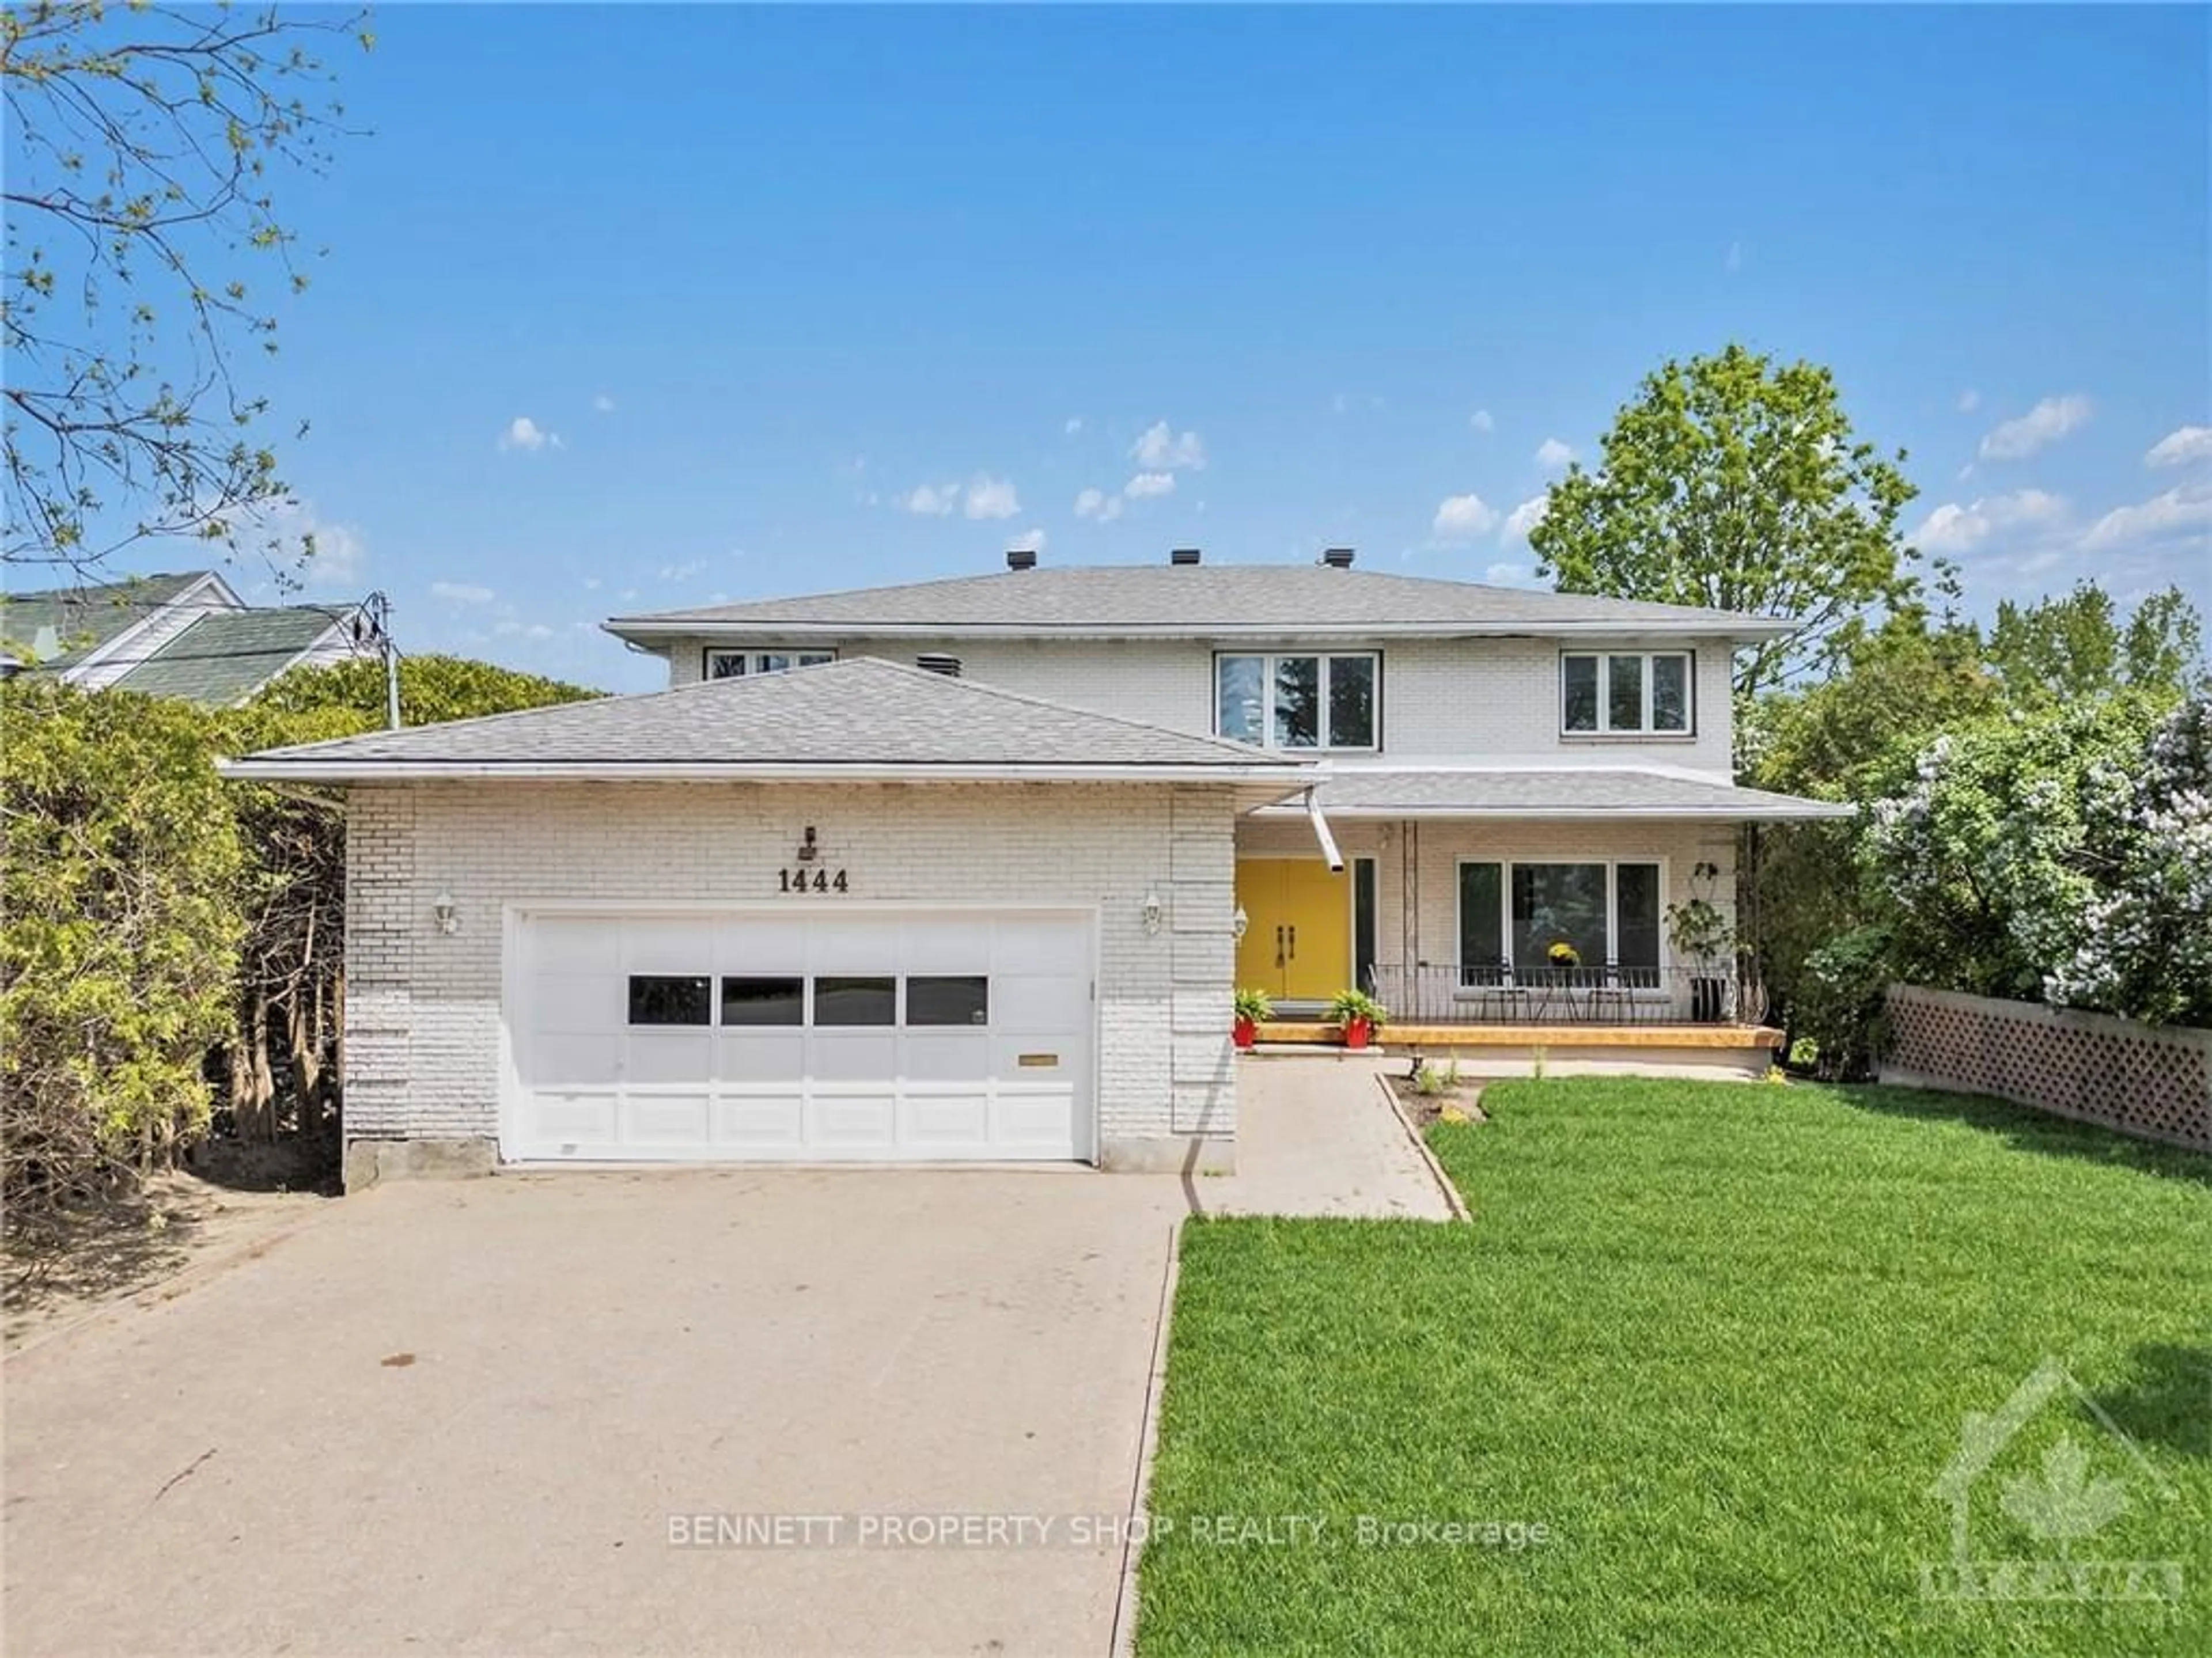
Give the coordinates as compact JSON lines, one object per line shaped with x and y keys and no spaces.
{"x":732,"y":664}
{"x":1641,"y":692}
{"x":1299,"y":699}
{"x":1579,"y":923}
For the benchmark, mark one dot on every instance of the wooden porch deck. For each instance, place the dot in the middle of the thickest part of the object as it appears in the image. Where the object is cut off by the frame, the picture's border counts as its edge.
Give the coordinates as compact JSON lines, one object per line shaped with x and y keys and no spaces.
{"x":1556,"y":1037}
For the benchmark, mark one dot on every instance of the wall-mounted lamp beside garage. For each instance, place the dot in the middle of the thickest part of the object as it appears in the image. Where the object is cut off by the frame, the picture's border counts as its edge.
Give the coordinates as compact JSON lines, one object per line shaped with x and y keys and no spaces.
{"x":446,"y":913}
{"x":1154,"y":909}
{"x":1239,"y":922}
{"x":808,"y":852}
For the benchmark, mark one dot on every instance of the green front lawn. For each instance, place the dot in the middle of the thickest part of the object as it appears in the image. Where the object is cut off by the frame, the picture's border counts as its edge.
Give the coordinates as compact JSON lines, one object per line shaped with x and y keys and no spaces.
{"x":1719,"y":1340}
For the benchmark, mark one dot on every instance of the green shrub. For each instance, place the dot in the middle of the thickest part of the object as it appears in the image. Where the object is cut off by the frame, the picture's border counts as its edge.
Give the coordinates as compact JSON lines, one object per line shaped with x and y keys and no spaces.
{"x":120,"y":951}
{"x":1838,"y":1015}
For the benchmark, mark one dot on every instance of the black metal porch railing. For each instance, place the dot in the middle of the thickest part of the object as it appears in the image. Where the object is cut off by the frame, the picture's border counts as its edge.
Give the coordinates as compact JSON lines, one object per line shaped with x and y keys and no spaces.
{"x":1443,"y":993}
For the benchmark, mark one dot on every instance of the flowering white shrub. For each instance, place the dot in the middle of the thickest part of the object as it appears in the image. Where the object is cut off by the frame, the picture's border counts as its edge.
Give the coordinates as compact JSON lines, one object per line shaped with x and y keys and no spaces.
{"x":2064,"y":855}
{"x":2144,"y":941}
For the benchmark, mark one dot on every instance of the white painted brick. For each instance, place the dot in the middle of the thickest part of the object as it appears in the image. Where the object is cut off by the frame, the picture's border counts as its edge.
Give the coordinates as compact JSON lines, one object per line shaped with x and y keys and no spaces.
{"x":423,"y":1009}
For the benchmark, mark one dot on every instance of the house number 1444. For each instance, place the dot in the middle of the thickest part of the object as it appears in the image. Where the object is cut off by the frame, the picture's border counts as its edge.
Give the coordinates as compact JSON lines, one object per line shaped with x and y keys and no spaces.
{"x":811,"y":880}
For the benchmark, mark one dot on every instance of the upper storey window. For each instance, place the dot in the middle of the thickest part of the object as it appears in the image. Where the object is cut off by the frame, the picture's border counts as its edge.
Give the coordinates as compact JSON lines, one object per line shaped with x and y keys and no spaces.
{"x":730,"y":664}
{"x":1629,"y":692}
{"x":1299,"y":701}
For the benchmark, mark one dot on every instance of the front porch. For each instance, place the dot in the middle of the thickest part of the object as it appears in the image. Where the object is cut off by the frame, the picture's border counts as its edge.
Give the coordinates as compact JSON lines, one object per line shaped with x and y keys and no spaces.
{"x":1736,"y":1051}
{"x":1507,"y":945}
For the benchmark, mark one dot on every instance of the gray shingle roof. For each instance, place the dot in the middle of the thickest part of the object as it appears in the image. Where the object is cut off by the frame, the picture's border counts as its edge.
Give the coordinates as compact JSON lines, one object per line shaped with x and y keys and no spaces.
{"x":1199,"y":600}
{"x":1564,"y":793}
{"x":847,"y":718}
{"x":227,"y":654}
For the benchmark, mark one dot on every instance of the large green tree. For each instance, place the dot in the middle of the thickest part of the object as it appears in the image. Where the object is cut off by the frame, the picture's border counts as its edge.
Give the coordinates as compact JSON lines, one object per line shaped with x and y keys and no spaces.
{"x":2063,"y":649}
{"x":2012,"y":856}
{"x":146,"y":144}
{"x":1735,"y":481}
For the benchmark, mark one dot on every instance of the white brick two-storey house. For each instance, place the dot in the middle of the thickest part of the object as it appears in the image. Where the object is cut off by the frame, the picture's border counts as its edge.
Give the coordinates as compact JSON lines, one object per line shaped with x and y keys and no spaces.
{"x":968,"y":869}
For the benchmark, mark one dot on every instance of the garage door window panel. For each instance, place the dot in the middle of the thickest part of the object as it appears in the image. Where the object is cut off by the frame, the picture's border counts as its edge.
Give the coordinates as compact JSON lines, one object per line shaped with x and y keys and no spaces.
{"x":845,"y":1001}
{"x":665,"y":998}
{"x":755,"y":1002}
{"x":948,"y":999}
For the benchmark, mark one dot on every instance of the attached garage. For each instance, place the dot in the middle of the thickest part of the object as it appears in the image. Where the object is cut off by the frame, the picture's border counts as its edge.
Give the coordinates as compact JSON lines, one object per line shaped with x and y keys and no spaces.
{"x":753,"y":1034}
{"x":850,"y":913}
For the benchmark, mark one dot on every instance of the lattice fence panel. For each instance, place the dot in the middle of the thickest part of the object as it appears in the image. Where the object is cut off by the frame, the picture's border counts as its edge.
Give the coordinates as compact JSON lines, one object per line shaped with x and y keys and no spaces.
{"x":2149,"y":1080}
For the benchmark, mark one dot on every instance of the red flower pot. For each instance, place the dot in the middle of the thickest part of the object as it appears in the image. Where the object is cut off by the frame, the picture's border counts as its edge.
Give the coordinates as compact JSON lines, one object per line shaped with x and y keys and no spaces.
{"x":1356,"y":1033}
{"x":1246,"y":1033}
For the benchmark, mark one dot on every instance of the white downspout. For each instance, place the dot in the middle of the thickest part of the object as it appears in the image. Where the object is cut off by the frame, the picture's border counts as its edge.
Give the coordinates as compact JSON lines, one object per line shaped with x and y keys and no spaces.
{"x":1321,"y":834}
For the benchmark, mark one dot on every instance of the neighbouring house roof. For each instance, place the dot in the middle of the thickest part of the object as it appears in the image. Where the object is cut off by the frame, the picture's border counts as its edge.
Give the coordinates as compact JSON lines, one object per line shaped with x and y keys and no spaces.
{"x":1198,"y":601}
{"x":859,"y":718}
{"x":1561,"y":793}
{"x":226,"y":655}
{"x":53,"y":630}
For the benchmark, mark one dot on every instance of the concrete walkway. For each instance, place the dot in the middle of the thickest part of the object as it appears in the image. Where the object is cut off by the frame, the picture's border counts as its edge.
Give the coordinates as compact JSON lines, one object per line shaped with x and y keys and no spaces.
{"x":1317,"y":1136}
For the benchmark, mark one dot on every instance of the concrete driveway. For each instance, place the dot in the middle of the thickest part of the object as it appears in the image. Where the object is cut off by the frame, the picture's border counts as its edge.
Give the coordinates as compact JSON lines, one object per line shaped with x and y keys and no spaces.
{"x":462,"y":1417}
{"x":457,"y":1418}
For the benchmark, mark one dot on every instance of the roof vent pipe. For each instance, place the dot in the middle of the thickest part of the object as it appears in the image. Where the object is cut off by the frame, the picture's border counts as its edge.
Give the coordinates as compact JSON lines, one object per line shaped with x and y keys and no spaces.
{"x":933,"y":662}
{"x":1183,"y":556}
{"x":1021,"y":558}
{"x":1338,"y":558}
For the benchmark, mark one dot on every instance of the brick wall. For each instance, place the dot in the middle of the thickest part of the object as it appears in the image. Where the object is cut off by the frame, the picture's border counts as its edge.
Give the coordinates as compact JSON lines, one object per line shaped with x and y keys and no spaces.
{"x":422,"y":1013}
{"x":2152,"y":1081}
{"x":1489,"y":698}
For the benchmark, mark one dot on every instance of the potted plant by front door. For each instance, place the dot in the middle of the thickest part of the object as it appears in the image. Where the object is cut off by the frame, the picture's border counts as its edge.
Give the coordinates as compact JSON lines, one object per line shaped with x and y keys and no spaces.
{"x":1361,"y":1015}
{"x":1253,"y":1011}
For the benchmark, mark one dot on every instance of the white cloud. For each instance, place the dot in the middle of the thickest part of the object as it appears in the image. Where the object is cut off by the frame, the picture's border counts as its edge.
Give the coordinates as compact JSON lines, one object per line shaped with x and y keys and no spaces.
{"x":603,"y":404}
{"x":1969,"y":400}
{"x":1733,"y":262}
{"x":1074,"y":425}
{"x":511,"y":629}
{"x":1507,"y":575}
{"x":1097,"y":503}
{"x":2039,"y":429}
{"x":931,"y":501}
{"x":2183,"y":511}
{"x":990,"y":497}
{"x":1481,"y":421}
{"x":591,"y":584}
{"x":462,"y":592}
{"x":1162,"y":449}
{"x":1552,"y":455}
{"x":1033,"y":539}
{"x":1149,"y":484}
{"x":1524,"y":518}
{"x":283,"y":532}
{"x":682,"y":572}
{"x":2185,"y":446}
{"x":1462,"y":518}
{"x":1951,"y":529}
{"x":526,"y":435}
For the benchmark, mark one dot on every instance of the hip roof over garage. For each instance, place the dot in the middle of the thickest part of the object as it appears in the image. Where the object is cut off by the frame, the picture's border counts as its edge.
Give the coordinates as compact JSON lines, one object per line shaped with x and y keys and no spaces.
{"x":858,"y":717}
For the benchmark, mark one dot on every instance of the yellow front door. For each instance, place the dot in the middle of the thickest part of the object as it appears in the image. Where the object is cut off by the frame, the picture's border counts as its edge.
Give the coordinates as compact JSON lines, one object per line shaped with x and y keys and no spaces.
{"x":1298,"y":932}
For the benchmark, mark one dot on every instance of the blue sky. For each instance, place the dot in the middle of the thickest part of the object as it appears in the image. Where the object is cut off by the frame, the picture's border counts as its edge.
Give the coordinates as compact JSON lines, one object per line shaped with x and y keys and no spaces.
{"x":628,"y":309}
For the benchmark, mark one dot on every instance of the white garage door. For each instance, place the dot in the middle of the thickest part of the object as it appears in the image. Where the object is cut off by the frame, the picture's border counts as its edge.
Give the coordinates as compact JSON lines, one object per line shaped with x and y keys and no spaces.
{"x":752,"y":1036}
